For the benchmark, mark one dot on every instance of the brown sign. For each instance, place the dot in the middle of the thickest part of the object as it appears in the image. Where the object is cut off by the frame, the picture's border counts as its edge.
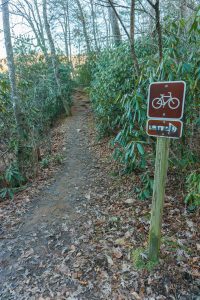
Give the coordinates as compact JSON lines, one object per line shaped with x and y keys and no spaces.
{"x":164,"y":128}
{"x":166,"y":100}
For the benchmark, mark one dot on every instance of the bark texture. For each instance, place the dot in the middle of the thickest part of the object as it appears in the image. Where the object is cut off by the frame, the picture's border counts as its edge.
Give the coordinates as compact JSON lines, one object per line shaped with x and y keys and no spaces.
{"x":183,"y":9}
{"x":132,"y":37}
{"x":19,"y":117}
{"x":114,"y":25}
{"x":156,"y":7}
{"x":94,"y":28}
{"x":158,"y":28}
{"x":84,"y":27}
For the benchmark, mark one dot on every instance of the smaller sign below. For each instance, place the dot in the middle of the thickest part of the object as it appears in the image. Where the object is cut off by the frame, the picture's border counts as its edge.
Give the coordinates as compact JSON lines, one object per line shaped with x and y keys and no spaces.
{"x":164,"y":128}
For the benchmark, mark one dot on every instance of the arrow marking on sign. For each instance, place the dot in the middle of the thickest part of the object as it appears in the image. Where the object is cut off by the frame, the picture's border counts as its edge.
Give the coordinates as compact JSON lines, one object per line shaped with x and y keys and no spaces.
{"x":170,"y":128}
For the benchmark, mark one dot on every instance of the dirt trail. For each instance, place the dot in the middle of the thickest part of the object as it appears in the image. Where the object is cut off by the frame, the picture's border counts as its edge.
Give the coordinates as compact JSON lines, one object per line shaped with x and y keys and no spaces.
{"x":34,"y":262}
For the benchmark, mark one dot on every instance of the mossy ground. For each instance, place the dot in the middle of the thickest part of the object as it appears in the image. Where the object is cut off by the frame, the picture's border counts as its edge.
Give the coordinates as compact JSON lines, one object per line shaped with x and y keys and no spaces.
{"x":141,"y":260}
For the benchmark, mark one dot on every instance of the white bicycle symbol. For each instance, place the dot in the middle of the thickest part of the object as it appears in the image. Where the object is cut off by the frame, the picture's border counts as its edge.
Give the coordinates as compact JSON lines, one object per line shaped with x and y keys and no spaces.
{"x":172,"y":102}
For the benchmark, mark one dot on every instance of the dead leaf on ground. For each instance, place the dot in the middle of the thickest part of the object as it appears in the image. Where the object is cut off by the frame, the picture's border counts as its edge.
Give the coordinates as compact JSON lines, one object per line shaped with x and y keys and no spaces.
{"x":117,"y":253}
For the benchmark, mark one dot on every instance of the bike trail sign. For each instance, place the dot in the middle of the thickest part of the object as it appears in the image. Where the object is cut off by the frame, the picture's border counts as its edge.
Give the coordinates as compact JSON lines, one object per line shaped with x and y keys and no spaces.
{"x":165,"y":128}
{"x":165,"y":111}
{"x":166,"y":100}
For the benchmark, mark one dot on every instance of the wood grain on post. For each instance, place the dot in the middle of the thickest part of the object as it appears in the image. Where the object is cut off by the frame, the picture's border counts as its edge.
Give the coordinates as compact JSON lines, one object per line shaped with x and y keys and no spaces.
{"x":161,"y":165}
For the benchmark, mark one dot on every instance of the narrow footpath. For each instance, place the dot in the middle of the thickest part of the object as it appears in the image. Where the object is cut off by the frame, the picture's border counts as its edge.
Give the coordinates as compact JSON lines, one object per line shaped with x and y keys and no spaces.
{"x":36,"y":263}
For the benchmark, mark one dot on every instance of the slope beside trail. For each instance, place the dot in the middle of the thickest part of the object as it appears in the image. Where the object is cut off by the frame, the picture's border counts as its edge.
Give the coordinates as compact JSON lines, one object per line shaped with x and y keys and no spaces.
{"x":74,"y":240}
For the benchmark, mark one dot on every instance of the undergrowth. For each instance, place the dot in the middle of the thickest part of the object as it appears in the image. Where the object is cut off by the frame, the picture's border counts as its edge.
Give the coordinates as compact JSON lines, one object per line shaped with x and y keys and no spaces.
{"x":119,"y":101}
{"x":40,"y":105}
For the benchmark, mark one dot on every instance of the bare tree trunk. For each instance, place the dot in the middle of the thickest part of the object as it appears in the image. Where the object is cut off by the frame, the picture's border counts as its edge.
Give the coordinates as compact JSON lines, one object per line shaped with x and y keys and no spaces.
{"x":156,"y":7}
{"x":158,"y":28}
{"x":183,"y":9}
{"x":83,"y":21}
{"x":51,"y":45}
{"x":69,"y":31}
{"x":54,"y":57}
{"x":65,"y":27}
{"x":19,"y":117}
{"x":132,"y":36}
{"x":107,"y":28}
{"x":114,"y":24}
{"x":151,"y":17}
{"x":94,"y":25}
{"x":63,"y":24}
{"x":41,"y":31}
{"x":65,"y":33}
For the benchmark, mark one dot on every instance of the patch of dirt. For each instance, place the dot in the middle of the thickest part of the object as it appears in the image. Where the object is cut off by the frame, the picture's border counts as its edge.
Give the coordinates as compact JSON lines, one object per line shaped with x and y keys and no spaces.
{"x":75,"y":238}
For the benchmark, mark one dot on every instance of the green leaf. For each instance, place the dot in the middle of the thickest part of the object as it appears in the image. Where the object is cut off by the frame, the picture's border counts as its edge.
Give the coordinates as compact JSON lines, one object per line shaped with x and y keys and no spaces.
{"x":187,"y":67}
{"x":140,"y":149}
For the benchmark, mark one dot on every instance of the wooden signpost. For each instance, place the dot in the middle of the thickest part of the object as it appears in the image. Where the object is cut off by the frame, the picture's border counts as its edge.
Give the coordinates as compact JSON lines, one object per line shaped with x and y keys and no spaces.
{"x":165,"y":109}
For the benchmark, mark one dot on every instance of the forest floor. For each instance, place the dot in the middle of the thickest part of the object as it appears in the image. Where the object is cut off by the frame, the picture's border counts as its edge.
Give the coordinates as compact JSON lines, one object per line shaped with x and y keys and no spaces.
{"x":72,"y":236}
